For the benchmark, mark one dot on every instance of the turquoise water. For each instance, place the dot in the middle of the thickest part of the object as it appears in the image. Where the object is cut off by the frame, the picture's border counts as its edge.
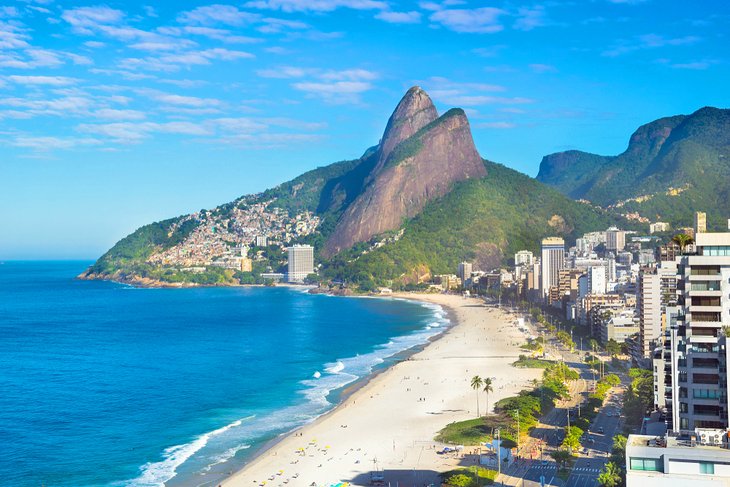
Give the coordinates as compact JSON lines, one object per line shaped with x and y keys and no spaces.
{"x":104,"y":384}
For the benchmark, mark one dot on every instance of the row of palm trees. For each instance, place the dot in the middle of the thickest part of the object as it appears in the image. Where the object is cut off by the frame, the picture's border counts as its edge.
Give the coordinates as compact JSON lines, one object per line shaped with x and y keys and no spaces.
{"x":482,"y":385}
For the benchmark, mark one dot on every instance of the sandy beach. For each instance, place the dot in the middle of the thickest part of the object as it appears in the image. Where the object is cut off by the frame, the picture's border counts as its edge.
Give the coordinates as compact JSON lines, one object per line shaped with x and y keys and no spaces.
{"x":389,"y":424}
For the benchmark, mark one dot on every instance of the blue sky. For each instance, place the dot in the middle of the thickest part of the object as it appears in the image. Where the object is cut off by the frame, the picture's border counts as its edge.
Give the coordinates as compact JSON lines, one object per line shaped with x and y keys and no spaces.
{"x":116,"y":114}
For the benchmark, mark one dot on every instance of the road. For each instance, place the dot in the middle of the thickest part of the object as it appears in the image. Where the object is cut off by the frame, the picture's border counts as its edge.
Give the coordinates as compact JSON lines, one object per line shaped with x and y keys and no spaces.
{"x":537,"y":467}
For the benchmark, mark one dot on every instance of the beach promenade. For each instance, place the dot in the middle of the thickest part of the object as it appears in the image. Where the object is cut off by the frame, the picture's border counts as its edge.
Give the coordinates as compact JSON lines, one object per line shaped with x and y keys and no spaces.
{"x":389,"y":424}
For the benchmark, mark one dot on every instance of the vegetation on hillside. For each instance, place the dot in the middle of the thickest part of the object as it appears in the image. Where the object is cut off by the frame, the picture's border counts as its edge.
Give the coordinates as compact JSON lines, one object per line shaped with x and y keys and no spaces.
{"x":675,"y":165}
{"x":481,"y":220}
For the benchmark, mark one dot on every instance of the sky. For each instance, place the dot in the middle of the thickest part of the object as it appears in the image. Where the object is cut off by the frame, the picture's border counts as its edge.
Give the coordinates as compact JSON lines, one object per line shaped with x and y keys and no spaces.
{"x":117,"y":114}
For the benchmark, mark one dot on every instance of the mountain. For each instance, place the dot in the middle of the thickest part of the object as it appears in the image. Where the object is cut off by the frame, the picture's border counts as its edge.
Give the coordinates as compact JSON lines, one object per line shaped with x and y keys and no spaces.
{"x":416,"y":204}
{"x":420,"y":157}
{"x":671,"y":168}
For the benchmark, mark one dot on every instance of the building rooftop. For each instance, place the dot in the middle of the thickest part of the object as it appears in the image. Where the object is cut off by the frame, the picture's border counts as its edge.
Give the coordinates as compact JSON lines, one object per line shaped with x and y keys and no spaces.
{"x":690,"y":440}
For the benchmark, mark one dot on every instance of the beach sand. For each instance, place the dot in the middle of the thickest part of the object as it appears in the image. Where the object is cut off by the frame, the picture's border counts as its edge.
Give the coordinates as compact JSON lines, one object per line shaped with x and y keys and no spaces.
{"x":389,"y":424}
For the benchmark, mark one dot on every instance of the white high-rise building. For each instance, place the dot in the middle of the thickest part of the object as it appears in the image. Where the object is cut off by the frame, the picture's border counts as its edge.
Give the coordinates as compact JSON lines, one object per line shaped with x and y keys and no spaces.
{"x":692,"y":365}
{"x":301,"y":262}
{"x":615,"y":239}
{"x":597,"y":280}
{"x":524,"y":257}
{"x":261,"y":241}
{"x":657,"y":289}
{"x":553,"y":261}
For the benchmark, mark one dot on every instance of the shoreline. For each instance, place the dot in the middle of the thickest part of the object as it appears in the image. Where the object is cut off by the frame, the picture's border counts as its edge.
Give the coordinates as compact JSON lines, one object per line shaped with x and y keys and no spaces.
{"x":349,"y":390}
{"x":281,"y":453}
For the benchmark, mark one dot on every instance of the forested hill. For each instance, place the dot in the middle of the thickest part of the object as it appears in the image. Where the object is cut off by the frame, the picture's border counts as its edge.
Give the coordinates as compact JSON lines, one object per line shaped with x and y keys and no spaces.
{"x":672,"y":167}
{"x":416,"y":204}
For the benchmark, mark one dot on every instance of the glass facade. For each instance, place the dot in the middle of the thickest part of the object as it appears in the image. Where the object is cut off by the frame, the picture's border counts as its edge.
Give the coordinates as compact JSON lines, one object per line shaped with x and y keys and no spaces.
{"x":646,"y":464}
{"x":716,"y":250}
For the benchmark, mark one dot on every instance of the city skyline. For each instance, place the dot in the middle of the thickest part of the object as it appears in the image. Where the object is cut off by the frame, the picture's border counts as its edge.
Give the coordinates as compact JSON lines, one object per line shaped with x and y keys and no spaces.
{"x":117,"y":114}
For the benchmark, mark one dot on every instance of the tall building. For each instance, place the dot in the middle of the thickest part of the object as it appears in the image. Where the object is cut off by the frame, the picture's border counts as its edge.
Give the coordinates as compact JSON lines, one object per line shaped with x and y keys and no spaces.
{"x":695,"y":354}
{"x":464,"y":273}
{"x":597,"y":280}
{"x":700,"y":222}
{"x":523,"y":257}
{"x":301,"y":262}
{"x":261,"y":241}
{"x":615,"y":239}
{"x":659,"y":227}
{"x":553,"y":260}
{"x":657,"y":289}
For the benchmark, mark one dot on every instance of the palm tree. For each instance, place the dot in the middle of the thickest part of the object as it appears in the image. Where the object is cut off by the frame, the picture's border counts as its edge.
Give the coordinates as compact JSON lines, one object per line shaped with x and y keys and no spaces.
{"x":682,"y":239}
{"x":476,"y":384}
{"x":487,"y":382}
{"x":610,"y":476}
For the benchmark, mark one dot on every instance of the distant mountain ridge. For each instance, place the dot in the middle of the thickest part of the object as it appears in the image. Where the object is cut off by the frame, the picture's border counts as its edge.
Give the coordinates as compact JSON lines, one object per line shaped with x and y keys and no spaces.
{"x":671,"y":167}
{"x":416,"y":204}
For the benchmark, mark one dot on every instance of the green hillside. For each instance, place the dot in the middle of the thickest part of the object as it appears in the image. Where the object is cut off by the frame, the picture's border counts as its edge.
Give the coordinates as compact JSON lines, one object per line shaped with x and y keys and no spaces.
{"x":485,"y":221}
{"x":674,"y":166}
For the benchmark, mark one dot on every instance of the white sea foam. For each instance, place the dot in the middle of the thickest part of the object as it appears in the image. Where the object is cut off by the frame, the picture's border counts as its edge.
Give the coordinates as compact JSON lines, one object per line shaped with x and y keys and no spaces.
{"x":336,"y":375}
{"x":226,"y":455}
{"x":155,"y":474}
{"x":336,"y":368}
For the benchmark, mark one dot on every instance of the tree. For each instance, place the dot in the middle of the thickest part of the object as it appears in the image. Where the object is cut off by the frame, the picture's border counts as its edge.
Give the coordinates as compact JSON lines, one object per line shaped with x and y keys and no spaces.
{"x":476,"y":384}
{"x":610,"y":476}
{"x":613,"y":347}
{"x":487,"y":388}
{"x":683,"y":240}
{"x":561,"y":457}
{"x":618,"y":452}
{"x":459,"y":480}
{"x":572,"y":438}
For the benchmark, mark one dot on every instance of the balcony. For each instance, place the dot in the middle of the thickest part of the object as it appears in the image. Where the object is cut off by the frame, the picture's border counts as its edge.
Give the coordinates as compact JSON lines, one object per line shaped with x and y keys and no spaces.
{"x":704,"y":277}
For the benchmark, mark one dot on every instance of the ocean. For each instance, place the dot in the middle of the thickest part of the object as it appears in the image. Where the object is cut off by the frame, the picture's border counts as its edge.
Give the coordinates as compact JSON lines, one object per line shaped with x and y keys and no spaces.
{"x":103,"y":384}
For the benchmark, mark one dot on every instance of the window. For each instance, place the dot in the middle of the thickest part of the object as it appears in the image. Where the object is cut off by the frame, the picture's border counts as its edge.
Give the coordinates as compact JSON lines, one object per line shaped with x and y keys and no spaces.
{"x":707,"y":467}
{"x":705,"y":271}
{"x":716,"y":250}
{"x":705,"y":394}
{"x":705,"y":286}
{"x":647,"y":464}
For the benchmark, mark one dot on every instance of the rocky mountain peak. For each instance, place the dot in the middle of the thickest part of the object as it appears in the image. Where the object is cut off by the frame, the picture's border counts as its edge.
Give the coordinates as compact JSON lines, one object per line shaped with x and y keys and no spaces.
{"x":420,"y":158}
{"x":415,"y":111}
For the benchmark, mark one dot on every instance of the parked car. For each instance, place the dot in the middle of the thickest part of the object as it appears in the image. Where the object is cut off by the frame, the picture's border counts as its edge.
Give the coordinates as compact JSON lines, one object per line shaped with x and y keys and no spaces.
{"x":600,"y":429}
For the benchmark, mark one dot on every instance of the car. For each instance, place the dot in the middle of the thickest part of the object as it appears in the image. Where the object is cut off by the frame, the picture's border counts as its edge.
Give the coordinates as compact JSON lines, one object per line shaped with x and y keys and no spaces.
{"x":544,"y":463}
{"x":600,"y":430}
{"x":591,"y":440}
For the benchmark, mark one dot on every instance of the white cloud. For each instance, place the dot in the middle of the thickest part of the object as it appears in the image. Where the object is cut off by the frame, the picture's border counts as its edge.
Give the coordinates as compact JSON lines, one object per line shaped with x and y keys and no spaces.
{"x":85,"y":20}
{"x":283,"y":72}
{"x":118,"y":115}
{"x":649,"y":41}
{"x":529,"y":18}
{"x":217,"y":14}
{"x":317,"y":5}
{"x":179,"y":100}
{"x":42,"y":80}
{"x":497,"y":125}
{"x":349,"y":74}
{"x":176,"y":61}
{"x":543,"y":68}
{"x":478,"y":21}
{"x":129,"y":133}
{"x":469,"y":94}
{"x":12,"y":37}
{"x":694,"y":65}
{"x":335,"y":92}
{"x":412,"y":17}
{"x":274,"y":26}
{"x":45,"y":144}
